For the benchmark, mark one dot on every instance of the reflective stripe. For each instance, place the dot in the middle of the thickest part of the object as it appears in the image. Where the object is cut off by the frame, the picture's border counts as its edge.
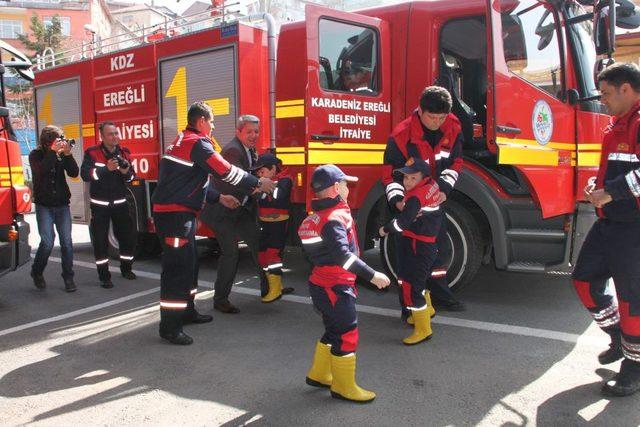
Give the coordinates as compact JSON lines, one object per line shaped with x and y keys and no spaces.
{"x":448,"y":180}
{"x":632,"y":182}
{"x":394,"y":186}
{"x":94,"y":173}
{"x":177,"y":160}
{"x":395,"y":225}
{"x":101,"y":165}
{"x":624,"y":157}
{"x":438,"y":273}
{"x":430,"y":208}
{"x":176,"y":242}
{"x":630,"y":350}
{"x":193,"y":291}
{"x":443,"y":155}
{"x":275,"y":193}
{"x":350,"y":261}
{"x":102,"y":261}
{"x":119,"y":201}
{"x":168,"y":304}
{"x":450,"y":172}
{"x":393,"y":193}
{"x":277,"y":265}
{"x":99,"y":202}
{"x":607,"y":317}
{"x":424,"y":307}
{"x":127,"y":258}
{"x":311,"y":240}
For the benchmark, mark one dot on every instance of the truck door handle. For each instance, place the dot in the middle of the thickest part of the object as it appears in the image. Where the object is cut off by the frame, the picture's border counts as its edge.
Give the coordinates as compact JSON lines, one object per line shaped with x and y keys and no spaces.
{"x":326,"y":138}
{"x":508,"y":129}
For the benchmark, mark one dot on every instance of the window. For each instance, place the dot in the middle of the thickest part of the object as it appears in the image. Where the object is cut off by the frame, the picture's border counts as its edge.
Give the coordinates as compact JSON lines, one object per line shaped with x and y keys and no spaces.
{"x":65,"y":24}
{"x":348,"y":58}
{"x":531,"y":46}
{"x":10,"y":29}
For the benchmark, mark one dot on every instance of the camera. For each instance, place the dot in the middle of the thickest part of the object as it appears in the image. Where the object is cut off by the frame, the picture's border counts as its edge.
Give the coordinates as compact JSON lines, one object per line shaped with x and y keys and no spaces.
{"x":122,"y":162}
{"x":71,"y":142}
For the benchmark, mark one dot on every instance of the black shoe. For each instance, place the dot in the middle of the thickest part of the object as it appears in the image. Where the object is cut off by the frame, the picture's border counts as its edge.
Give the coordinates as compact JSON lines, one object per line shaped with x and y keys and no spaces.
{"x":107,"y":284}
{"x":69,"y":285}
{"x":179,"y":338}
{"x":197,"y":318}
{"x":38,"y":280}
{"x":624,"y":383}
{"x":288,"y":290}
{"x":226,"y":307}
{"x":452,"y":305}
{"x":129,"y":275}
{"x":612,"y":354}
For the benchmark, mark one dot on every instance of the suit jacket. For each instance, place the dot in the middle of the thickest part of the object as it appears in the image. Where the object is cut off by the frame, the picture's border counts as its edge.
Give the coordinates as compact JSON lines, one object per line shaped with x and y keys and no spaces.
{"x":235,"y":153}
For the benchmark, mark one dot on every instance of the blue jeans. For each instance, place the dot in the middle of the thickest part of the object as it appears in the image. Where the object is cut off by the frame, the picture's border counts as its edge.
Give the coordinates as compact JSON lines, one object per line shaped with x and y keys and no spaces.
{"x":47,"y":217}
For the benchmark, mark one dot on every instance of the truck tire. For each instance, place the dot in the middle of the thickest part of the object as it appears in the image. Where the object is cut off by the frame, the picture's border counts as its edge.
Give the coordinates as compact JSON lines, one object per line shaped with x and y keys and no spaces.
{"x":466,"y":243}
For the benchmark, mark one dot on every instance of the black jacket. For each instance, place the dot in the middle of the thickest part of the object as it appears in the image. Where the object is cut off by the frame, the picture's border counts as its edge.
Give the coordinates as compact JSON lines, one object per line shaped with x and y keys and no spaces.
{"x":49,"y":183}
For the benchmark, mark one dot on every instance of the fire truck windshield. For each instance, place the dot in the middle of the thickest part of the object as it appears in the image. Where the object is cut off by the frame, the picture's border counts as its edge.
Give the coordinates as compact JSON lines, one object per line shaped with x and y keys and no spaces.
{"x":581,"y":34}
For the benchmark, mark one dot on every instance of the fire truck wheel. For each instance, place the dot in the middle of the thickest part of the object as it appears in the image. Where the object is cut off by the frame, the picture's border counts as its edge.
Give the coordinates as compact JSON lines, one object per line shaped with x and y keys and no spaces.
{"x":466,"y":247}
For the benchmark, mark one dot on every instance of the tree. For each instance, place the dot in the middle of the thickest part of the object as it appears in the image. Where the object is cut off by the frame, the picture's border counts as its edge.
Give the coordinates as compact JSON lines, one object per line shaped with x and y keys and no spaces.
{"x":43,"y":36}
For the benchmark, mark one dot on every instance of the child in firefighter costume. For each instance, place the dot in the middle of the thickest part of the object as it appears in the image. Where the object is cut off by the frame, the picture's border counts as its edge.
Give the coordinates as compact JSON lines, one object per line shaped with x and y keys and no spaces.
{"x":612,"y":247}
{"x":328,"y":237}
{"x":273,"y":213}
{"x":418,"y":223}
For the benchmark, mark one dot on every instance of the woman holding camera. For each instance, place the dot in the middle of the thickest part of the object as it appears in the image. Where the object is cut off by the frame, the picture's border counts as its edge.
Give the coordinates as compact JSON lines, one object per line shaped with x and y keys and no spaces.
{"x":49,"y":163}
{"x":107,"y":167}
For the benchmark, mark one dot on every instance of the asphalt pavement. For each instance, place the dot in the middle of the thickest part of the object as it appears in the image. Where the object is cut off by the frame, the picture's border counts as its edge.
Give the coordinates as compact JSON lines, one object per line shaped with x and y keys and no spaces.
{"x":524,"y":353}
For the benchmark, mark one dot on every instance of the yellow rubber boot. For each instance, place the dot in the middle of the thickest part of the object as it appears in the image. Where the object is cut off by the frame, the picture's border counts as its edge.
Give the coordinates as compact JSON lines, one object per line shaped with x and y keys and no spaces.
{"x":430,"y":308}
{"x":421,"y":328}
{"x":275,"y":288}
{"x":410,"y":319}
{"x":320,"y":373}
{"x":344,"y":384}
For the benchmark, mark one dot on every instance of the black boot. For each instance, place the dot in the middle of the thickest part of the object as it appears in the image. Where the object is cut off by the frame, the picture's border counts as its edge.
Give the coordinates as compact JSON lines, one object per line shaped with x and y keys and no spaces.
{"x":192,"y":316}
{"x":69,"y":285}
{"x":614,"y":352}
{"x":171,"y":328}
{"x":626,"y":382}
{"x":38,"y":280}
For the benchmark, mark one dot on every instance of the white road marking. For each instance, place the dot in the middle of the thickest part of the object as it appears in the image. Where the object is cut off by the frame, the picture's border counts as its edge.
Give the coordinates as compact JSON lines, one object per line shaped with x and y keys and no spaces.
{"x":379,"y":311}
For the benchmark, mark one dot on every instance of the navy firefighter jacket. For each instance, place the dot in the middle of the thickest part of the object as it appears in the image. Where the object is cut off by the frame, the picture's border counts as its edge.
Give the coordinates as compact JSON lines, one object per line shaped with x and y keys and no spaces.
{"x":329,"y":238}
{"x":184,"y":173}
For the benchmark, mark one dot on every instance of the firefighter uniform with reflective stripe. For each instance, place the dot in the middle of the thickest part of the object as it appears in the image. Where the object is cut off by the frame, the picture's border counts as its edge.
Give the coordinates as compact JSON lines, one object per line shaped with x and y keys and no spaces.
{"x":179,"y":196}
{"x":328,"y":237}
{"x":442,"y":150}
{"x":418,"y":224}
{"x":273,"y":213}
{"x":108,"y":197}
{"x":612,"y":247}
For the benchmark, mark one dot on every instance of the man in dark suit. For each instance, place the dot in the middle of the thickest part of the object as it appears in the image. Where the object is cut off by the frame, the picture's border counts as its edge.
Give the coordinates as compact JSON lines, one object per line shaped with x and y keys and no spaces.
{"x":234,"y":217}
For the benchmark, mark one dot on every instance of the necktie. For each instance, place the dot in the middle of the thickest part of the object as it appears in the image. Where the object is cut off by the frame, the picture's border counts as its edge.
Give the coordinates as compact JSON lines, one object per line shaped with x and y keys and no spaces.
{"x":254,"y":157}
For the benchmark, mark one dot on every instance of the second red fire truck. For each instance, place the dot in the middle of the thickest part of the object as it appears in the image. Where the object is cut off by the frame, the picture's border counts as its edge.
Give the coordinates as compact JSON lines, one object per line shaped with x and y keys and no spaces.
{"x":331,"y":88}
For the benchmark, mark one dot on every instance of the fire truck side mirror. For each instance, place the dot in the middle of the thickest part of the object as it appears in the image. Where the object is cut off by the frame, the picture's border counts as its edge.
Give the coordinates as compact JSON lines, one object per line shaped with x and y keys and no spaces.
{"x":604,"y":27}
{"x":4,"y":112}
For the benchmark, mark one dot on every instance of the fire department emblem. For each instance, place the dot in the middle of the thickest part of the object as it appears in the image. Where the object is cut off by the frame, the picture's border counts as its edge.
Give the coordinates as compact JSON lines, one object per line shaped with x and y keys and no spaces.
{"x":542,"y":122}
{"x":623,"y":146}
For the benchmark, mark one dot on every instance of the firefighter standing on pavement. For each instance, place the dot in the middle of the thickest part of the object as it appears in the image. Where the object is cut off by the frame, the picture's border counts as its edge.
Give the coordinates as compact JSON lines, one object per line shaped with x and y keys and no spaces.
{"x":107,"y":167}
{"x":328,"y":236}
{"x":612,"y":247}
{"x":433,"y":134}
{"x":419,"y":223}
{"x":179,"y":196}
{"x":273,"y":213}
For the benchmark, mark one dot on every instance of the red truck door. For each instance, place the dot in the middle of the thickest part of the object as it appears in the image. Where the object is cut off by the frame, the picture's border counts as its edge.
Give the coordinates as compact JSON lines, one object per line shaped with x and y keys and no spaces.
{"x":529,"y":123}
{"x":347,"y":108}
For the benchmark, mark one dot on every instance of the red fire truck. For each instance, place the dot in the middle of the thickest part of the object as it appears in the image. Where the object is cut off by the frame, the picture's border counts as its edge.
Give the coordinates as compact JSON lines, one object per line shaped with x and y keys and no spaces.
{"x":521,"y":74}
{"x":15,"y":197}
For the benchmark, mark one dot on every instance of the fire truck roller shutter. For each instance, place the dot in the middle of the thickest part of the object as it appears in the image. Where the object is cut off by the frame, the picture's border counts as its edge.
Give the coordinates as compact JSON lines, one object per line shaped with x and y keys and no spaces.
{"x":205,"y":76}
{"x":59,"y":104}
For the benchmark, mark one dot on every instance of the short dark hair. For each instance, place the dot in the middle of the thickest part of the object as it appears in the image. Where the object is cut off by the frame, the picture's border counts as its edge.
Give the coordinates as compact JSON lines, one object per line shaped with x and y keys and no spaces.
{"x":435,"y":99}
{"x":197,"y":110}
{"x":104,"y":125}
{"x":48,"y":134}
{"x":620,"y":73}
